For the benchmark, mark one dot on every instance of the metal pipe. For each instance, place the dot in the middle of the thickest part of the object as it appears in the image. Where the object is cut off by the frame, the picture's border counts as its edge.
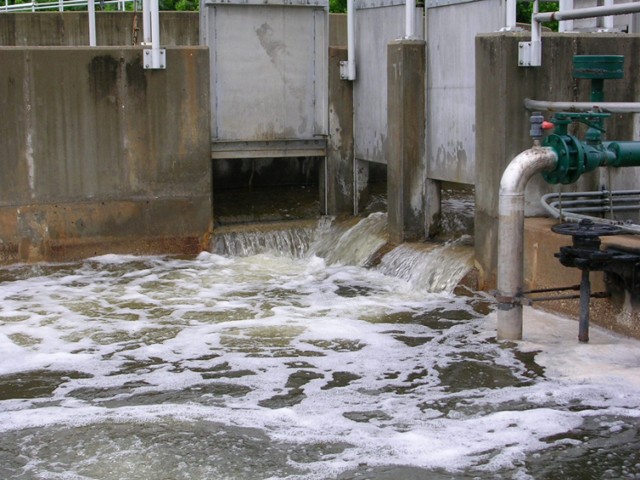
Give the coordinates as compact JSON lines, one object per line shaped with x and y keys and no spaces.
{"x":576,"y":217}
{"x":146,"y":22}
{"x":613,"y":107}
{"x":510,"y":23}
{"x":608,"y":20}
{"x":591,"y":12}
{"x":155,"y":34}
{"x":351,"y":41}
{"x":511,"y":233}
{"x":566,"y":25}
{"x":410,"y":19}
{"x":92,"y":23}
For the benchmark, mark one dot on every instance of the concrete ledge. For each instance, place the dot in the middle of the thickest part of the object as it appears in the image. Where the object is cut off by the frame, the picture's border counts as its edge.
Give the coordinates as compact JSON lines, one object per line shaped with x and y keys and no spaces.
{"x":71,"y":231}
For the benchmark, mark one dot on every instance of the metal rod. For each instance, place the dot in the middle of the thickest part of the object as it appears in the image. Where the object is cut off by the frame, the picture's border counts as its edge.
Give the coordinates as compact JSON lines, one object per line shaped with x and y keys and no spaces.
{"x":585,"y":295}
{"x":613,"y":107}
{"x":557,"y":289}
{"x":567,"y":297}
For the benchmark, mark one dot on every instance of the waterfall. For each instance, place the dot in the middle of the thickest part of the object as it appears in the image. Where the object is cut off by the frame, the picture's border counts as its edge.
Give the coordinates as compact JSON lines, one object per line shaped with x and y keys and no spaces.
{"x":280,"y":239}
{"x":431,"y":267}
{"x":435,"y":268}
{"x":351,"y":246}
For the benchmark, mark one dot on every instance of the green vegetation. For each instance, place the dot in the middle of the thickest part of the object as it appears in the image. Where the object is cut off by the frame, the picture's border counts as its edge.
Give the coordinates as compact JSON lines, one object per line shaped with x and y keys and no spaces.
{"x":338,"y":6}
{"x":524,"y":10}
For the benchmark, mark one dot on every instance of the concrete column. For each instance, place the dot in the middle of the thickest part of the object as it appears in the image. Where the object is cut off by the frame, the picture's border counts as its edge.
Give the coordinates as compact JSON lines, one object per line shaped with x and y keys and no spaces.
{"x":339,"y":164}
{"x":406,"y":166}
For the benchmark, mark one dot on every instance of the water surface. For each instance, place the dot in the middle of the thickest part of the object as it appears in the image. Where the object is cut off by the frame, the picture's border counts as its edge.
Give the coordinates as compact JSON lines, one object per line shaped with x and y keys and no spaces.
{"x":268,"y":366}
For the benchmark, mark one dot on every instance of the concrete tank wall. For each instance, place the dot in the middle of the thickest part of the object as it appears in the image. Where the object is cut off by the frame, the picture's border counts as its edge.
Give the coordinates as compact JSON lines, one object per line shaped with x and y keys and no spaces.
{"x":112,"y":28}
{"x":99,"y":155}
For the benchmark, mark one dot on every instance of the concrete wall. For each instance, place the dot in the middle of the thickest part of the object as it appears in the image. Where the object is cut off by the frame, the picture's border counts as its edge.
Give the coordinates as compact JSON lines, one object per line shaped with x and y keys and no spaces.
{"x":115,"y":29}
{"x":99,"y":155}
{"x":112,"y":28}
{"x":503,"y":124}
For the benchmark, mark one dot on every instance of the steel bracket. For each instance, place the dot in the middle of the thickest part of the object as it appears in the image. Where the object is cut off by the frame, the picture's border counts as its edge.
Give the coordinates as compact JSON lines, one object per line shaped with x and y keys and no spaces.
{"x":154,"y":59}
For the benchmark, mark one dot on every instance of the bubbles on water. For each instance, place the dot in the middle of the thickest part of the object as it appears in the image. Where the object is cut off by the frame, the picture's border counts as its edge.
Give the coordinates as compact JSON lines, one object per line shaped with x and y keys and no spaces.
{"x":278,"y":367}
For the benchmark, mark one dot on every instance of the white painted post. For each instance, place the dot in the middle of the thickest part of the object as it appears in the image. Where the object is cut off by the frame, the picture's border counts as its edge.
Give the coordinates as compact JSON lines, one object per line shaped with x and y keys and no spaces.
{"x":146,"y":22}
{"x":410,"y":19}
{"x":565,"y":25}
{"x":511,"y":15}
{"x":92,"y":22}
{"x":608,"y":21}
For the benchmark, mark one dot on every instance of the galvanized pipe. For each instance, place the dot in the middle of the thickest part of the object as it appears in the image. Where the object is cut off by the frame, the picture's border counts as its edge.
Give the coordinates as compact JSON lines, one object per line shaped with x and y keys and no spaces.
{"x":591,"y":12}
{"x":569,"y":215}
{"x":566,"y":25}
{"x":510,"y":22}
{"x":410,"y":19}
{"x":511,"y":233}
{"x":146,"y":22}
{"x":613,"y":107}
{"x":351,"y":40}
{"x":92,"y":23}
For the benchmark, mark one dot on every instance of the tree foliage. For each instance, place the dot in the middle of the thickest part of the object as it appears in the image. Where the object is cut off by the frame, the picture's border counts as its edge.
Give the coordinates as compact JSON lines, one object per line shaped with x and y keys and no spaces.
{"x":525,"y":9}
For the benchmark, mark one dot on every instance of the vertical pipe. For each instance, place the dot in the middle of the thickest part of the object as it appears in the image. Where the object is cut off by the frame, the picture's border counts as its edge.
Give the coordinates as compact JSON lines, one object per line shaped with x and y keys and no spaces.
{"x":146,"y":22}
{"x":511,"y":235}
{"x":92,"y":22}
{"x":510,"y":15}
{"x":536,"y":38}
{"x":351,"y":41}
{"x":410,"y":19}
{"x":60,"y":5}
{"x":585,"y":297}
{"x":565,"y":25}
{"x":155,"y":33}
{"x":608,"y":21}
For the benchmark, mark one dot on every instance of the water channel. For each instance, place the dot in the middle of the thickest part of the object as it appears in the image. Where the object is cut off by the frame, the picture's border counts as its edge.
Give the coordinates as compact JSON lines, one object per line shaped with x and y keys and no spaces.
{"x":300,"y":361}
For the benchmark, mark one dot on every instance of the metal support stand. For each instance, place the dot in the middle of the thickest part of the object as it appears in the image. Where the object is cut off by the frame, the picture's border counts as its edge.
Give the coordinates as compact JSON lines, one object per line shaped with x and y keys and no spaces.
{"x":585,"y":297}
{"x":586,"y":255}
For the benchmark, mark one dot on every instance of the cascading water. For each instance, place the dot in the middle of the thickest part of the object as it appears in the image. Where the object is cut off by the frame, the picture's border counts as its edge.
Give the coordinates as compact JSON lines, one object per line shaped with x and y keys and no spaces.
{"x":435,"y":268}
{"x":295,"y":367}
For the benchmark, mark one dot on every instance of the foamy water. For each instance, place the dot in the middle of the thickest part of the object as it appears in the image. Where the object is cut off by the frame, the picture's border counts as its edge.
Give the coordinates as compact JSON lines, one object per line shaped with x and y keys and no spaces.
{"x":263,"y":367}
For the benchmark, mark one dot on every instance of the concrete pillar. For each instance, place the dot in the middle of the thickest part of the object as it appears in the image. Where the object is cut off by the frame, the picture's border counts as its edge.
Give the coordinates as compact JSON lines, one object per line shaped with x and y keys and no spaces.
{"x":339,"y":164}
{"x":406,"y":166}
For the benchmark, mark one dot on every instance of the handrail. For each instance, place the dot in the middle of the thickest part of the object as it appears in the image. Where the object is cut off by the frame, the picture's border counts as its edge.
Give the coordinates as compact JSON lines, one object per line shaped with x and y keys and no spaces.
{"x":530,"y":53}
{"x":60,"y":5}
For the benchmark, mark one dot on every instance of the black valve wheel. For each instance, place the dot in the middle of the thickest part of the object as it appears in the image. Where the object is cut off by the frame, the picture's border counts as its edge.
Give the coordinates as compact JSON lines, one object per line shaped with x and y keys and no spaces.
{"x":586,"y":228}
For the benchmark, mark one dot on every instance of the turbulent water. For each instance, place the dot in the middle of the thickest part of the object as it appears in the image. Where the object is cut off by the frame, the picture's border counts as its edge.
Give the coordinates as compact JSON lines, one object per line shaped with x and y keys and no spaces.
{"x":280,"y":367}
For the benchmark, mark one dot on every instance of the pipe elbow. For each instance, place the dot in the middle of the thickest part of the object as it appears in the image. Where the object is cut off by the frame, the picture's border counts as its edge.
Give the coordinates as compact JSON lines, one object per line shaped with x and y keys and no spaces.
{"x":524,"y":166}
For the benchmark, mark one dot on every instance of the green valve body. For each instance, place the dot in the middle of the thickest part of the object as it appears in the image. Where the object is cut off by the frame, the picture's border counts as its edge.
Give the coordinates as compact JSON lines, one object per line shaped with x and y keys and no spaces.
{"x":576,"y":156}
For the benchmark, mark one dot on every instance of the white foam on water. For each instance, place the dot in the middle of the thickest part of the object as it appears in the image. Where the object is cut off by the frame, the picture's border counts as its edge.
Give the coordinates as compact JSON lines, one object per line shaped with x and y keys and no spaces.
{"x":309,"y":354}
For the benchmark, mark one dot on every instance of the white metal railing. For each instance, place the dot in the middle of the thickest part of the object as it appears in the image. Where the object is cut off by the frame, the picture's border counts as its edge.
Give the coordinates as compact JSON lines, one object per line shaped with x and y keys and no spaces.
{"x":564,"y":15}
{"x":530,"y":53}
{"x":59,"y":5}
